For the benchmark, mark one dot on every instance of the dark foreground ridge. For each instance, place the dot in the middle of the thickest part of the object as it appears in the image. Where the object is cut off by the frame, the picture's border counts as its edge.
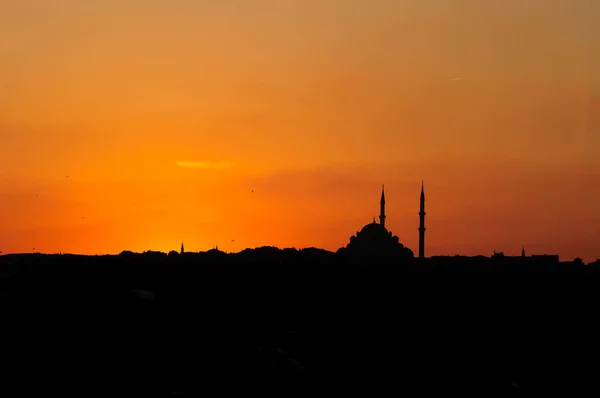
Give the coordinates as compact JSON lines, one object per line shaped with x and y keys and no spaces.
{"x":296,"y":322}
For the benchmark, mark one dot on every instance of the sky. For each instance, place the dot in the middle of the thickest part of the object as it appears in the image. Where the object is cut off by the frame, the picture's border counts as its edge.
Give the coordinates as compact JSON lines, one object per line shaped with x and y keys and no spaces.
{"x":139,"y":124}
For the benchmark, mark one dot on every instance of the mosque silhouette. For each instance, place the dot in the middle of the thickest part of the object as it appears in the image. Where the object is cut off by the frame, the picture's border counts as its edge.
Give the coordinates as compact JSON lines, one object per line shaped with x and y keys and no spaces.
{"x":375,"y":240}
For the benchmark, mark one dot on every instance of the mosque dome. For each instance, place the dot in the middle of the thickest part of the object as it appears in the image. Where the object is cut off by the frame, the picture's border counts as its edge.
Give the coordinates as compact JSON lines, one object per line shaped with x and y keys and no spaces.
{"x":375,"y":240}
{"x":373,"y":228}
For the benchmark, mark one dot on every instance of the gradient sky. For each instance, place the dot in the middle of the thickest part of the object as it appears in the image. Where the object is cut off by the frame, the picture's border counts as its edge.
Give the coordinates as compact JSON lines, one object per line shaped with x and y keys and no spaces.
{"x":139,"y":124}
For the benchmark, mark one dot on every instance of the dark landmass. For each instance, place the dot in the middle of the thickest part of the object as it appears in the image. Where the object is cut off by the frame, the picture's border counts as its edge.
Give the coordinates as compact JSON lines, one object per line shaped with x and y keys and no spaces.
{"x":297,"y":322}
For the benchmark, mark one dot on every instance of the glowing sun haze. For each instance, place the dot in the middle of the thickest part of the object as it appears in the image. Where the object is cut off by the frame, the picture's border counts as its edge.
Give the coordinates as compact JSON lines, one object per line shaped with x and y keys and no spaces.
{"x":139,"y":124}
{"x":204,"y":165}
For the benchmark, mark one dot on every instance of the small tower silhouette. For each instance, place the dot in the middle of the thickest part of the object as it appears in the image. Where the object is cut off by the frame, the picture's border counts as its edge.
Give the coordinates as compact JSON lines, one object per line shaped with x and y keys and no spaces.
{"x":523,"y":252}
{"x":181,"y":247}
{"x":422,"y":223}
{"x":382,"y":209}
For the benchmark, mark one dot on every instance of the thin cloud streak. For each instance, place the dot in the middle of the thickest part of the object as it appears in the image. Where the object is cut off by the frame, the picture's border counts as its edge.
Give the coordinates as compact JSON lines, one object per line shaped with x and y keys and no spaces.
{"x":204,"y":165}
{"x":457,"y":78}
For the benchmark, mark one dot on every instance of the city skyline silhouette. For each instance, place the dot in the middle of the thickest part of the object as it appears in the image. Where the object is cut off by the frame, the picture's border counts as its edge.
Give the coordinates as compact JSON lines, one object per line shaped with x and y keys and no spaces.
{"x":133,"y":127}
{"x":299,"y":197}
{"x":372,"y":228}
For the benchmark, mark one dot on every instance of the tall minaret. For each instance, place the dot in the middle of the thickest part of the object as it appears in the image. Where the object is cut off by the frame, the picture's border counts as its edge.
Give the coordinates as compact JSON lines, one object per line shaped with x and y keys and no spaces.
{"x":181,"y":247}
{"x":382,"y":209}
{"x":422,"y":224}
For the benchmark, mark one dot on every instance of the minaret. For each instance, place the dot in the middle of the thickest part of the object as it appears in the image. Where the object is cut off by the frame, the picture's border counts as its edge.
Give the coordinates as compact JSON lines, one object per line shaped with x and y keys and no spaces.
{"x":523,"y":252}
{"x":382,"y":209}
{"x":181,"y":247}
{"x":422,"y":224}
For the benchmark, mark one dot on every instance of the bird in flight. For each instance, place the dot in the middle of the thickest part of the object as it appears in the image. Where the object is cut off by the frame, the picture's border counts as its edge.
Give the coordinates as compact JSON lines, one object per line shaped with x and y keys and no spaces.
{"x":252,"y":191}
{"x":233,"y":240}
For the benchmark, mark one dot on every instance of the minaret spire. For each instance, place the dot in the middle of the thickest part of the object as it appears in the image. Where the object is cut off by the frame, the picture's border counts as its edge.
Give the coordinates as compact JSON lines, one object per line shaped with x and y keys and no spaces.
{"x":422,"y":223}
{"x":382,"y":208}
{"x":181,"y":247}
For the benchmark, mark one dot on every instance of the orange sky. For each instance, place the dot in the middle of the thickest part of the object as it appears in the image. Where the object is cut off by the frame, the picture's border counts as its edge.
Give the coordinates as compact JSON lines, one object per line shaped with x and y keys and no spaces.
{"x":164,"y":114}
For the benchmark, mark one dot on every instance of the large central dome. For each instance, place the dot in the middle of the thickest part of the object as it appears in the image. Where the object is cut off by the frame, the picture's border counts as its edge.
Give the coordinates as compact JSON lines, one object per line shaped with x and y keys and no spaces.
{"x":374,"y":229}
{"x":373,"y":235}
{"x":375,"y":240}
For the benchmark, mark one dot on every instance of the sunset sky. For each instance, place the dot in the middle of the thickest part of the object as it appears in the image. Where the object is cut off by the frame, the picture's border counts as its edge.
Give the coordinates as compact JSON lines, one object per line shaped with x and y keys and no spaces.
{"x":139,"y":124}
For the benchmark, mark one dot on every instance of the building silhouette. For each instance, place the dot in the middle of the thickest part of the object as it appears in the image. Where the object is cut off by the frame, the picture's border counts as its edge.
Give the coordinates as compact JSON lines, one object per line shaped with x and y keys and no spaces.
{"x":181,"y":247}
{"x":375,"y":240}
{"x":422,"y":224}
{"x":540,"y":259}
{"x":382,"y":208}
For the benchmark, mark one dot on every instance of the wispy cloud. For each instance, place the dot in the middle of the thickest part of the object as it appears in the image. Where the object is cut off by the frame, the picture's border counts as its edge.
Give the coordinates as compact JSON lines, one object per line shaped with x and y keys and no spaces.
{"x":457,"y":78}
{"x":204,"y":165}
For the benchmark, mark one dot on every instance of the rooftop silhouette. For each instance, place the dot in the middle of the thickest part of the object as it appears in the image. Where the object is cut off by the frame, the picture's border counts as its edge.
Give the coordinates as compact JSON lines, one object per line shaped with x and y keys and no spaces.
{"x":370,"y":315}
{"x":299,"y":198}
